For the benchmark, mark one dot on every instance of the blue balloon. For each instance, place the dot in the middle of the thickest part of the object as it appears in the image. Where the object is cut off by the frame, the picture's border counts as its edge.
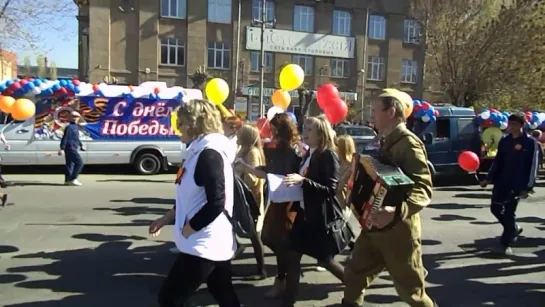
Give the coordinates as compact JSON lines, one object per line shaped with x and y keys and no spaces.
{"x":37,"y":82}
{"x":9,"y":83}
{"x":56,"y":87}
{"x":292,"y":116}
{"x":16,"y":80}
{"x":76,"y":89}
{"x":419,"y":113}
{"x":2,"y":88}
{"x":70,"y":86}
{"x":429,"y":112}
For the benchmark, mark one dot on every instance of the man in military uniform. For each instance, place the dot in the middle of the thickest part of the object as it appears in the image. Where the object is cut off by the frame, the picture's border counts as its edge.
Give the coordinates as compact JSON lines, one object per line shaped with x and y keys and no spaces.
{"x":396,"y":248}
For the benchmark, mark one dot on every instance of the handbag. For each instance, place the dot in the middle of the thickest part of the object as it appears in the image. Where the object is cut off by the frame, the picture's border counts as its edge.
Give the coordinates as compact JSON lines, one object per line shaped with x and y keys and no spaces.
{"x":338,"y":232}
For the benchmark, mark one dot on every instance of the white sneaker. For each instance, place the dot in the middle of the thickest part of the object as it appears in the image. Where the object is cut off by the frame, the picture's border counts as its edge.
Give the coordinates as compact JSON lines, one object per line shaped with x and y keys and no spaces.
{"x":75,"y":182}
{"x":320,"y":269}
{"x":174,"y":250}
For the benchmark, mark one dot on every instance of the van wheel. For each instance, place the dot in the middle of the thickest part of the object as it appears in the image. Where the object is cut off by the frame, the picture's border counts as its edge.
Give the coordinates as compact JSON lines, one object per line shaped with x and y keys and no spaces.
{"x":147,"y":164}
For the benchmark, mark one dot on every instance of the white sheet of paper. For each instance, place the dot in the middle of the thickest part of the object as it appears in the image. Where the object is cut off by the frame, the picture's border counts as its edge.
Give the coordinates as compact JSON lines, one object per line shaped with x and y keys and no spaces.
{"x":280,"y":192}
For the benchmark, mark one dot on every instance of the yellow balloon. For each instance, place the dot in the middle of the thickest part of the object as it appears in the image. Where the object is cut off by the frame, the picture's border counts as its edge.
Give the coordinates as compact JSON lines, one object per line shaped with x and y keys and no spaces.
{"x":224,"y":112}
{"x":174,"y":123}
{"x":291,"y":77}
{"x":217,"y":91}
{"x":23,"y":109}
{"x":491,"y":139}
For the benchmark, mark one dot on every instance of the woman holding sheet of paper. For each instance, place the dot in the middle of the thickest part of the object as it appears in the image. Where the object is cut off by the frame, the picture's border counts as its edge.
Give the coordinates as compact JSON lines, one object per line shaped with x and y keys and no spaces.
{"x":282,"y":158}
{"x":310,"y":235}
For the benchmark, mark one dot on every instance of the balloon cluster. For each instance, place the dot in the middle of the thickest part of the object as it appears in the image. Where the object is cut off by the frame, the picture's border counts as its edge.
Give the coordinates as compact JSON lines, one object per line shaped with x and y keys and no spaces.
{"x":424,"y":110}
{"x":492,"y":118}
{"x":20,"y":109}
{"x":18,"y":88}
{"x":335,"y":109}
{"x":535,"y":120}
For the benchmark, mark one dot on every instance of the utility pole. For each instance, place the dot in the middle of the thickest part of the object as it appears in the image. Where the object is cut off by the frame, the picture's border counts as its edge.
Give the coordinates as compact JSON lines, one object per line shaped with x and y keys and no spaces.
{"x":263,"y":22}
{"x":365,"y":59}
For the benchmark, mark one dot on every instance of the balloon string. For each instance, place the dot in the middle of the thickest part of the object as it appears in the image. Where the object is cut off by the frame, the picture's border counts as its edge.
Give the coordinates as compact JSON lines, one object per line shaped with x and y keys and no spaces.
{"x":6,"y":126}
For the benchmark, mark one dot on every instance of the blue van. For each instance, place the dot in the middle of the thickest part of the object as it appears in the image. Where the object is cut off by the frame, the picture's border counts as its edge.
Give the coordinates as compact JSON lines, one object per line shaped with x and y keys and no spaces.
{"x":453,"y":132}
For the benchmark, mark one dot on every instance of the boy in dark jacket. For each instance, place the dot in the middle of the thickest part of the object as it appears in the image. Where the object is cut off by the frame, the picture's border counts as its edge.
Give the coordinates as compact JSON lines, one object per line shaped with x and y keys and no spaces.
{"x":70,"y":143}
{"x":513,"y":174}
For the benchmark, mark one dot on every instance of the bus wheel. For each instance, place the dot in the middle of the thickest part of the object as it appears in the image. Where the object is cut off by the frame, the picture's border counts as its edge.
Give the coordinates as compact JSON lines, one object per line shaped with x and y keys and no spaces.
{"x":147,"y":164}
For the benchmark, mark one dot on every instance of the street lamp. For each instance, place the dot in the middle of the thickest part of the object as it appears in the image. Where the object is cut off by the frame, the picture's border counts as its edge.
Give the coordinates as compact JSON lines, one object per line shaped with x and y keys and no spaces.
{"x":263,"y":22}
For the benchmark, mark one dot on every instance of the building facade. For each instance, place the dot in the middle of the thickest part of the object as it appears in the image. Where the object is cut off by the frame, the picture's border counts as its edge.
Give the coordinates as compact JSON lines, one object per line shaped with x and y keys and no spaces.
{"x":8,"y":65}
{"x":167,"y":40}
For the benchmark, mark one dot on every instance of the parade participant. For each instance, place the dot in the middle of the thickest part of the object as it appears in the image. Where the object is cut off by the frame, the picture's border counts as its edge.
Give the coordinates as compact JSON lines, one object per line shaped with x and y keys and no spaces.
{"x":318,"y":177}
{"x":345,"y":150}
{"x":251,"y":152}
{"x":231,"y":125}
{"x":204,"y":201}
{"x":70,"y":143}
{"x":513,"y":173}
{"x":396,"y":248}
{"x":282,"y":157}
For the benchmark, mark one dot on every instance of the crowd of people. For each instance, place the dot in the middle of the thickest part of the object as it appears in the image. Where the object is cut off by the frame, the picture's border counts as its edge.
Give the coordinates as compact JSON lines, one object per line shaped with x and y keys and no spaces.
{"x":221,"y":149}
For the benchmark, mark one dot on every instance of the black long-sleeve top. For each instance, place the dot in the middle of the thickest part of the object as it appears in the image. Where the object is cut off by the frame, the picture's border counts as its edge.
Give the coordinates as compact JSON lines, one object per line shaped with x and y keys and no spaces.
{"x":209,"y":175}
{"x":70,"y":140}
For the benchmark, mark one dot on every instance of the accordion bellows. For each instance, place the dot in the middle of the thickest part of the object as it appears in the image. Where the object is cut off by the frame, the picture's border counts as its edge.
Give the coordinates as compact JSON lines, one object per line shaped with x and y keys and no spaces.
{"x":376,"y":182}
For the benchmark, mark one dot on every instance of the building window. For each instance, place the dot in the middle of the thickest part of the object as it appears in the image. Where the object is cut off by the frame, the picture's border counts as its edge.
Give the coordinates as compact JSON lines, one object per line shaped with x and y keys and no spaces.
{"x":411,"y":31}
{"x":409,"y":71}
{"x":219,"y":55}
{"x":220,"y":11}
{"x":172,"y":52}
{"x":342,"y":23}
{"x":339,"y":68}
{"x":174,"y":8}
{"x":305,"y":62}
{"x":255,"y":62}
{"x":377,"y":27}
{"x":303,"y":18}
{"x":376,"y":68}
{"x":257,"y":5}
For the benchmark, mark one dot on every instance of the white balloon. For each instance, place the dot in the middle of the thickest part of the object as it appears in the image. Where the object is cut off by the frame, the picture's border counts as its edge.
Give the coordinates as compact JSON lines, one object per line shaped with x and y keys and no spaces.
{"x":533,"y":126}
{"x":426,"y":118}
{"x":503,"y":125}
{"x":44,"y":86}
{"x":485,"y":115}
{"x":36,"y":90}
{"x":273,"y":111}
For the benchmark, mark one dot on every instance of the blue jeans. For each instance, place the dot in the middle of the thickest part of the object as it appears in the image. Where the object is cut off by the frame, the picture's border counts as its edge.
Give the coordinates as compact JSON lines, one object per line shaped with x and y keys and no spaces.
{"x":504,"y":207}
{"x":74,"y":165}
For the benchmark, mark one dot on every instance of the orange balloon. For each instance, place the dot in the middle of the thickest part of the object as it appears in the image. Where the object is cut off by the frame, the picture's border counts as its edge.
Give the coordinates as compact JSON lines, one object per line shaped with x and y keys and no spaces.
{"x":281,"y":99}
{"x":23,"y":109}
{"x":6,"y":103}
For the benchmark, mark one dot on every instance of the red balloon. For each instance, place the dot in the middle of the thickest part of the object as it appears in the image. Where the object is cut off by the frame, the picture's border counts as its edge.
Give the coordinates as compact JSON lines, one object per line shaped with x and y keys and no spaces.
{"x":264,"y":127}
{"x":23,"y":82}
{"x":336,"y":111}
{"x":426,"y":105}
{"x":96,"y":88}
{"x":487,"y":123}
{"x":435,"y":113}
{"x":156,"y":91}
{"x":325,"y":94}
{"x":469,"y":161}
{"x":15,"y":86}
{"x":75,"y":82}
{"x":494,"y":111}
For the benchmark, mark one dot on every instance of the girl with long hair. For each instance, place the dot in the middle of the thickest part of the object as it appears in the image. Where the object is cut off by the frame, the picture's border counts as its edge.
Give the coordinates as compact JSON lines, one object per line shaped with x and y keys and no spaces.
{"x":282,"y":158}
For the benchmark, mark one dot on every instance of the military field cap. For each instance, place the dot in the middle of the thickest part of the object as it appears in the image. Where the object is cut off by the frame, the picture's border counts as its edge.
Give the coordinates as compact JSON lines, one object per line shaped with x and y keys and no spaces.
{"x":400,"y":96}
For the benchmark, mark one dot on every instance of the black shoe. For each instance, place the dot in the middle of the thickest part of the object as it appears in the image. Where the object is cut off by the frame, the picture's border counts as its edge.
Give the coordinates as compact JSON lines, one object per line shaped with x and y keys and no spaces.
{"x":517,"y":235}
{"x":4,"y":200}
{"x":3,"y":184}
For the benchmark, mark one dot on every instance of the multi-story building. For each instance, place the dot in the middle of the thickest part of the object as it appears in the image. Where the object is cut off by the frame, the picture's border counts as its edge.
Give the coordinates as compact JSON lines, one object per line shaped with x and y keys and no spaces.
{"x":8,"y":65}
{"x":167,"y":40}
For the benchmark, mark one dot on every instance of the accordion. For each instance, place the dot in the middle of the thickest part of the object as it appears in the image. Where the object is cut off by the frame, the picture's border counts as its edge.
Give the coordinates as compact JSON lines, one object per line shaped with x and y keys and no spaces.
{"x":375,"y":182}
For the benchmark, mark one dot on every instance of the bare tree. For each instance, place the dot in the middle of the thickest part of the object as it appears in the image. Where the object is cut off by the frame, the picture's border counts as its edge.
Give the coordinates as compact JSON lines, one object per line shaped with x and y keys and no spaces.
{"x":28,"y":24}
{"x":479,"y":51}
{"x":28,"y":70}
{"x":199,"y":77}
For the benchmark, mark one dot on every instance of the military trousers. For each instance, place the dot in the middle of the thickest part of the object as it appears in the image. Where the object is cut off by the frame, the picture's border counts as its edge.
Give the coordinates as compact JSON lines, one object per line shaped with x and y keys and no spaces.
{"x":397,"y":250}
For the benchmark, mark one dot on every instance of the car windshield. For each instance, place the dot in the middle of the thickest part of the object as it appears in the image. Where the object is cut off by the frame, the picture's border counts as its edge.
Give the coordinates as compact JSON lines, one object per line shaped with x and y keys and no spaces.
{"x":360,"y":131}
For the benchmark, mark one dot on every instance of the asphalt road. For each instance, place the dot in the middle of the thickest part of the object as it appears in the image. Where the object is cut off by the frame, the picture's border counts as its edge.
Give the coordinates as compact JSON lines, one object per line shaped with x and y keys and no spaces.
{"x":88,"y":246}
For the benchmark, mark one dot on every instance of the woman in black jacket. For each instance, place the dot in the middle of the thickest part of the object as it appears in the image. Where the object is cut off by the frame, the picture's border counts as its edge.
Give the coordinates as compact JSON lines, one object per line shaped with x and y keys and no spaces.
{"x":319,"y":176}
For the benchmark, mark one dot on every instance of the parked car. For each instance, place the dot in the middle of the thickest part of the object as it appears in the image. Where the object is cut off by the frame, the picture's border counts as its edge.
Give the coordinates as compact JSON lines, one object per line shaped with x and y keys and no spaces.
{"x":362,"y":135}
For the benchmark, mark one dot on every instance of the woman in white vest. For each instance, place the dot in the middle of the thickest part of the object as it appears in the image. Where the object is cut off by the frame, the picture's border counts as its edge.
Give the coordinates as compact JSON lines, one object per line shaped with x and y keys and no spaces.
{"x":204,"y":198}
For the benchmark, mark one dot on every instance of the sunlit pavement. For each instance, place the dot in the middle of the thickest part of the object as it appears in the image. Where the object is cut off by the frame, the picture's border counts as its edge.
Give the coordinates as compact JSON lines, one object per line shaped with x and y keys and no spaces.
{"x":88,"y":246}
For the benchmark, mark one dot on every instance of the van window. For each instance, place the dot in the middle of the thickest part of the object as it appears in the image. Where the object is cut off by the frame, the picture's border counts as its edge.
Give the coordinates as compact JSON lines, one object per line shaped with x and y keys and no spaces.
{"x":466,"y":127}
{"x":5,"y":118}
{"x":443,"y":129}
